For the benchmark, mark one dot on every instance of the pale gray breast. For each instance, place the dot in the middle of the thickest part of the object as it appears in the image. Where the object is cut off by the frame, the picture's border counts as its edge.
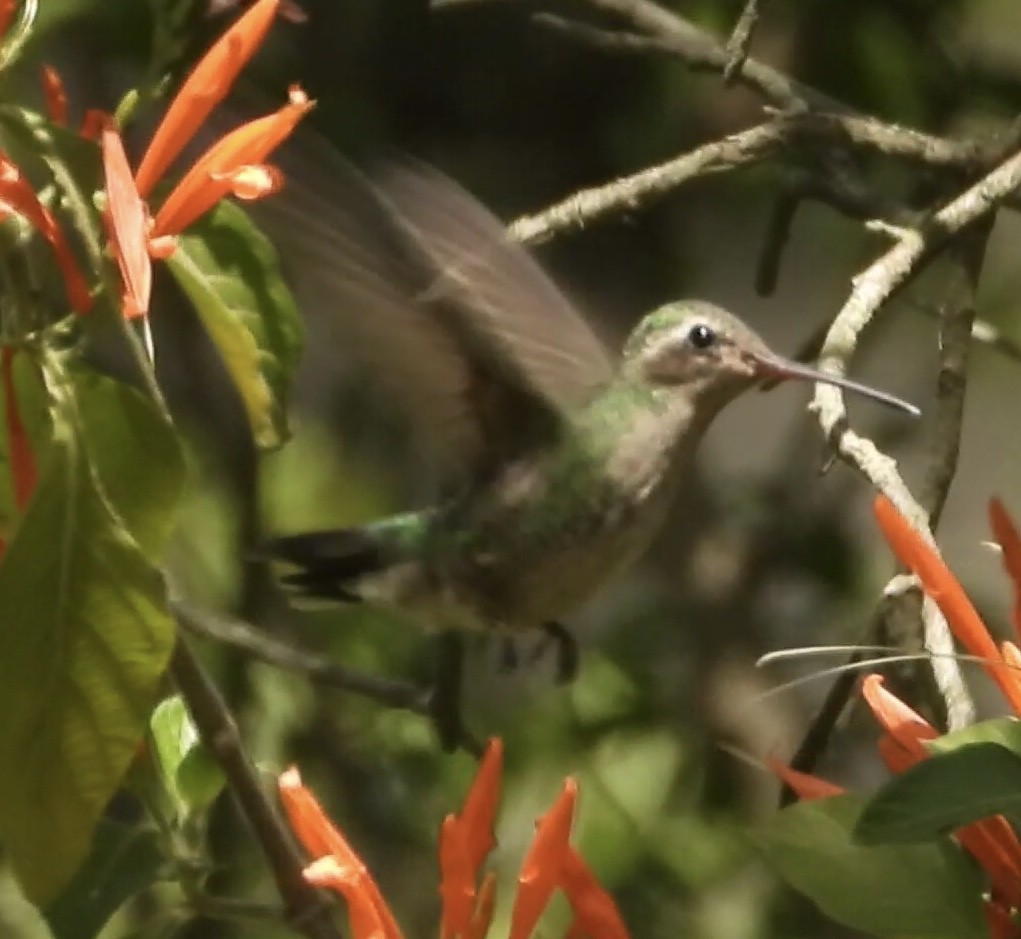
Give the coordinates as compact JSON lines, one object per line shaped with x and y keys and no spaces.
{"x":554,"y":535}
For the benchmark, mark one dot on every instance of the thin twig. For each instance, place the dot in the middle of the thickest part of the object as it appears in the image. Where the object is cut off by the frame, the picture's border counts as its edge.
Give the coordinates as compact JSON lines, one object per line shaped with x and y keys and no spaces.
{"x":307,"y":912}
{"x":787,"y":133}
{"x":321,"y":669}
{"x":873,"y":287}
{"x":605,"y":40}
{"x":740,"y":40}
{"x":957,"y":324}
{"x":317,"y":668}
{"x":700,"y":50}
{"x":633,"y":192}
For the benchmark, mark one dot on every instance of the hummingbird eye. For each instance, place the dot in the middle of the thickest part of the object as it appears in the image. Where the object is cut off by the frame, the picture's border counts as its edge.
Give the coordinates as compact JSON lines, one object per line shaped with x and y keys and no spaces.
{"x":701,"y":336}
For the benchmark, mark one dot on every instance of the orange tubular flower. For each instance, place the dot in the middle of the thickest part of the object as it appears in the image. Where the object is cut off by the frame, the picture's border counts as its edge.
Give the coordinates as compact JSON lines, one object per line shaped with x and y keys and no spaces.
{"x":947,"y":593}
{"x":337,"y":866}
{"x":904,"y":726}
{"x":595,"y":913}
{"x":206,"y":86}
{"x":1010,"y":544}
{"x":1001,"y":923}
{"x":55,"y":96}
{"x":991,"y":841}
{"x":465,"y":840}
{"x":552,"y":863}
{"x":127,"y":221}
{"x":17,"y":195}
{"x":232,"y":165}
{"x":542,"y":869}
{"x":807,"y":786}
{"x":24,"y":472}
{"x":7,"y":10}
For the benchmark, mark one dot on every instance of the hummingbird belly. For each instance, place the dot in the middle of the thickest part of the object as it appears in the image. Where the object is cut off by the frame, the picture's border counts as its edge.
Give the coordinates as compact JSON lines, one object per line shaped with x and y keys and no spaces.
{"x":534,"y":552}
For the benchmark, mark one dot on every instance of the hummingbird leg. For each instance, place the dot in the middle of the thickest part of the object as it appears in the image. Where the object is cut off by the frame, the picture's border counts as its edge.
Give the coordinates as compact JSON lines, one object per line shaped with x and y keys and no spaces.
{"x":445,"y":700}
{"x":566,"y":649}
{"x":509,"y":658}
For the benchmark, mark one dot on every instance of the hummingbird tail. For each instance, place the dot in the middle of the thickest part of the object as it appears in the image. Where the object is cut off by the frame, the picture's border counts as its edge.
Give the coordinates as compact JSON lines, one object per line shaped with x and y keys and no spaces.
{"x":333,"y":564}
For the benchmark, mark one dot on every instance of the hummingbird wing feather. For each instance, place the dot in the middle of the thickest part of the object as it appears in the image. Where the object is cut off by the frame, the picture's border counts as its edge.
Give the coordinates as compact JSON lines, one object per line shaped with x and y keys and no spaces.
{"x":542,"y":340}
{"x":348,"y":265}
{"x":420,"y":286}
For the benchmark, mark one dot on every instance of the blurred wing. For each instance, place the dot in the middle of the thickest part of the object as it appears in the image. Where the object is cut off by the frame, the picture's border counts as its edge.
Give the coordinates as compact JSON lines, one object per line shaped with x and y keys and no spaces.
{"x":501,"y":291}
{"x":448,"y":319}
{"x":349,"y":268}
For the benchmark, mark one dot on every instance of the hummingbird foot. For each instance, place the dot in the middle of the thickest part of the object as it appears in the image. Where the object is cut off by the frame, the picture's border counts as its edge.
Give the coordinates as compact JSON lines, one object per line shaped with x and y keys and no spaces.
{"x":566,"y":650}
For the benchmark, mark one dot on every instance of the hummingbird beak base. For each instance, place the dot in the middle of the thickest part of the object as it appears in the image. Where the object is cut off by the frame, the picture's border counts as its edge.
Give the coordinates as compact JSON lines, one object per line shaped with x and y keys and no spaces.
{"x":775,"y":367}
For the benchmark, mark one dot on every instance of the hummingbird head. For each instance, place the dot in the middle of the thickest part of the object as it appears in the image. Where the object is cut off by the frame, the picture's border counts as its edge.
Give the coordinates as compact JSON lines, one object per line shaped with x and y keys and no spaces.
{"x":697,"y":349}
{"x":710,"y":356}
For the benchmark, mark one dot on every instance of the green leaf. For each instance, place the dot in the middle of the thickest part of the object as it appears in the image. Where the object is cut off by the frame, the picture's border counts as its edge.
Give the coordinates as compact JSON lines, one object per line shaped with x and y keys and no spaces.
{"x":85,"y":639}
{"x":117,"y":424}
{"x":191,"y":776}
{"x":1005,"y":731}
{"x":73,"y":163}
{"x":230,"y":273}
{"x":930,"y":890}
{"x":124,"y":860}
{"x":943,"y":793}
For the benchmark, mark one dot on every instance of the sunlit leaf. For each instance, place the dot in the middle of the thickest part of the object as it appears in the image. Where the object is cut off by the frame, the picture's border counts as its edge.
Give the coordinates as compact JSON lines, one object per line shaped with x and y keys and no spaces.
{"x":85,"y":639}
{"x":945,"y":792}
{"x":117,"y":424}
{"x":929,"y":890}
{"x":229,"y":271}
{"x":190,"y":775}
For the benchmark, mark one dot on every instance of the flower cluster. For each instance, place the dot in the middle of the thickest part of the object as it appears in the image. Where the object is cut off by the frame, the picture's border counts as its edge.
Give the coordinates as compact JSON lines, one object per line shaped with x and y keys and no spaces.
{"x":466,"y":839}
{"x":234,"y":165}
{"x":991,"y":841}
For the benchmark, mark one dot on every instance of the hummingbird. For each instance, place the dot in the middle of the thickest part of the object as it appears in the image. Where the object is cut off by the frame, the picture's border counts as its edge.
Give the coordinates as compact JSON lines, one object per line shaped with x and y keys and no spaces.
{"x":561,"y":463}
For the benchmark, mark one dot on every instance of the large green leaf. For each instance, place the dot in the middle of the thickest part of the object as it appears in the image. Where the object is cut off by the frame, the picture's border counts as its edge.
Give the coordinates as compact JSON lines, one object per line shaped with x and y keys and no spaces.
{"x":929,"y":890}
{"x":942,"y":793}
{"x":84,"y":639}
{"x":124,"y":860}
{"x":230,"y":273}
{"x":118,"y":425}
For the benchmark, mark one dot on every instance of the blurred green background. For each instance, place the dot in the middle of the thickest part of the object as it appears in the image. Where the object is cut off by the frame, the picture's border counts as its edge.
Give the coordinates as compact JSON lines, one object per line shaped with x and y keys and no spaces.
{"x":761,"y":553}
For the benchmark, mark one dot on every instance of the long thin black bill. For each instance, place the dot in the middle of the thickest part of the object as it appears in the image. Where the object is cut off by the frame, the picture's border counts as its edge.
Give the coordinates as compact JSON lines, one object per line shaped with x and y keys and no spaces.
{"x":776,"y":367}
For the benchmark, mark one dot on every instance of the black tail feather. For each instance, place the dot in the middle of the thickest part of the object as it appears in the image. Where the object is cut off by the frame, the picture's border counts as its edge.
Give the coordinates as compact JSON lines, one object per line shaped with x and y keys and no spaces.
{"x":329,"y":562}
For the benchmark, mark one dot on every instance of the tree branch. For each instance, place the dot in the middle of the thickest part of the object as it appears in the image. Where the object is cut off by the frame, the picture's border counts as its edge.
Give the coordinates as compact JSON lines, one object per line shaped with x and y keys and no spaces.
{"x":307,"y":912}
